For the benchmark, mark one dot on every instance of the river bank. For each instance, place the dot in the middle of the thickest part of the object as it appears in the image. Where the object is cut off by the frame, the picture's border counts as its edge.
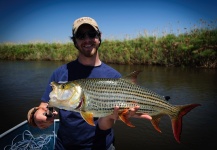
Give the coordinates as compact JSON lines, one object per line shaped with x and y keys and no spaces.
{"x":198,"y":48}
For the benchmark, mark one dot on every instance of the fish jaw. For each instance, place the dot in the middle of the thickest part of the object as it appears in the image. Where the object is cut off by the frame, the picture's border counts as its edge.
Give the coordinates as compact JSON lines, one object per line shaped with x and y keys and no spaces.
{"x":65,"y":96}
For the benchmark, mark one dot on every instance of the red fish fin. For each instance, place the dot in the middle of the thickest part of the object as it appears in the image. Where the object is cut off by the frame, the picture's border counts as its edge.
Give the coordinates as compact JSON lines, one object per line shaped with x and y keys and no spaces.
{"x":88,"y":117}
{"x":155,"y":122}
{"x":177,"y":120}
{"x":124,"y":118}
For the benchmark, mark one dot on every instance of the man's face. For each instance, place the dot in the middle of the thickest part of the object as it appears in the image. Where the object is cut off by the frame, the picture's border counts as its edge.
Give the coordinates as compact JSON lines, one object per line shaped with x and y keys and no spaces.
{"x":87,"y":40}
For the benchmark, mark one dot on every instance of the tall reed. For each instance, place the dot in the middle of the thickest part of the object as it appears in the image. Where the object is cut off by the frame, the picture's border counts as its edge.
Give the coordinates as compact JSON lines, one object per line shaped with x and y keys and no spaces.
{"x":197,"y":48}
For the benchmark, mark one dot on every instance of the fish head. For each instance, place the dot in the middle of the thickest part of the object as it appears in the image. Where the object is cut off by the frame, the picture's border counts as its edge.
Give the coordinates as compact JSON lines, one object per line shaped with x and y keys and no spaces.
{"x":65,"y":95}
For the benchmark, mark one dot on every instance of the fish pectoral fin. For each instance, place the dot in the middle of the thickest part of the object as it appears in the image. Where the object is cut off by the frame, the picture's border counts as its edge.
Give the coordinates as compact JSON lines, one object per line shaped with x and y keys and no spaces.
{"x":155,"y":122}
{"x":123,"y":115}
{"x":88,"y":117}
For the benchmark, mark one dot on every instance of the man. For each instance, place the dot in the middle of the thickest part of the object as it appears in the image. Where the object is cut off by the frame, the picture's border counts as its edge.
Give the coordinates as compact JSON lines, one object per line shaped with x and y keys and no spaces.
{"x":74,"y":133}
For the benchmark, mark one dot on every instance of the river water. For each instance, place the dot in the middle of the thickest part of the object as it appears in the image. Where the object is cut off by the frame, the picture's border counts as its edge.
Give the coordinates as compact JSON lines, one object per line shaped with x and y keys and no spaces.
{"x":23,"y":83}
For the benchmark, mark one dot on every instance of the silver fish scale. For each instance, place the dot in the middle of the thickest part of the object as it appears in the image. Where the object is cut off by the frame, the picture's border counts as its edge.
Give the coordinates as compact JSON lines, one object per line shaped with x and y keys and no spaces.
{"x":102,"y":95}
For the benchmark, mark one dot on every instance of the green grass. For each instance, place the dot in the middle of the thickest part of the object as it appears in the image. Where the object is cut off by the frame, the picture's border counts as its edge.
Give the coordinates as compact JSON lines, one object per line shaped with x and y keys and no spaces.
{"x":196,"y":48}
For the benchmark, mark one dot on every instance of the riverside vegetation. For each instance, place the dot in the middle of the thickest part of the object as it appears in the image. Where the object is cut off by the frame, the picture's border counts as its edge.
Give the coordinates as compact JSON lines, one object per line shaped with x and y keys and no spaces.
{"x":196,"y":48}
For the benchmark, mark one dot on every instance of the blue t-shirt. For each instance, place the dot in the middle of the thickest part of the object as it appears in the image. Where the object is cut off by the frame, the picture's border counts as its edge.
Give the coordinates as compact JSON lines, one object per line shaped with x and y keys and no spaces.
{"x":74,"y":132}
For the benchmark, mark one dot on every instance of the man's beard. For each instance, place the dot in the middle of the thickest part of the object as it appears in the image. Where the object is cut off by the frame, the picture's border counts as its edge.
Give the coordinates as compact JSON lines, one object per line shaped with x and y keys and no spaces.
{"x":89,"y":53}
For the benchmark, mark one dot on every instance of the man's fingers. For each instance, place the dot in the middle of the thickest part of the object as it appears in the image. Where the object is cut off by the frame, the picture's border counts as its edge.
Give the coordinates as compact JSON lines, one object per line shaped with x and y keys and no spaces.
{"x":146,"y":116}
{"x":115,"y":113}
{"x":133,"y":113}
{"x":136,"y":108}
{"x":142,"y":115}
{"x":55,"y":112}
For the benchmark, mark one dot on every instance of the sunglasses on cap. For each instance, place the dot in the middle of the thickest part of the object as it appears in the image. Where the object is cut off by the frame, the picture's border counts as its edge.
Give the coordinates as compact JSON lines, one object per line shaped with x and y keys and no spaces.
{"x":90,"y":34}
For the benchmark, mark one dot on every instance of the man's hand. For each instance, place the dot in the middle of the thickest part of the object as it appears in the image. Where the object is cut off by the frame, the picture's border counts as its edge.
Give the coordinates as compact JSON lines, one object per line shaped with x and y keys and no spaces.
{"x":41,"y":120}
{"x":108,"y":121}
{"x":133,"y":113}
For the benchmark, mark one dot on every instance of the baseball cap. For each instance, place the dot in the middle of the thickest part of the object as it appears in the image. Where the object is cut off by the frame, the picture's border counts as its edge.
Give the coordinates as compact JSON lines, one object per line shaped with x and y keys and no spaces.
{"x":84,"y":20}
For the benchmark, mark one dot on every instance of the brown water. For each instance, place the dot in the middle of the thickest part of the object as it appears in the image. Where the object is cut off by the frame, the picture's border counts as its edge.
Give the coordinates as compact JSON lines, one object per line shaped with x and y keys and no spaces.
{"x":23,"y":83}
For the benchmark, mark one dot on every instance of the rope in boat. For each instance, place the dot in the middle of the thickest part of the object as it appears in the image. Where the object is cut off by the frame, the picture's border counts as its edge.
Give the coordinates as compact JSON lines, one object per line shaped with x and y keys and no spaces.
{"x":29,"y":142}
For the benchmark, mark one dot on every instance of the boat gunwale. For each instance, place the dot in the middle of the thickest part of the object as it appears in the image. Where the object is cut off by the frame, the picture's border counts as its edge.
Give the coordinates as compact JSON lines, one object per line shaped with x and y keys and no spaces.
{"x":19,"y":125}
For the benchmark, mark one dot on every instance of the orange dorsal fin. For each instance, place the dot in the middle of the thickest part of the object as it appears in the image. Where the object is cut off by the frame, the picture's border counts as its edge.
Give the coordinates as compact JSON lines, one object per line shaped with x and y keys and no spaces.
{"x":123,"y":117}
{"x":132,"y":77}
{"x":177,"y":120}
{"x":88,"y":117}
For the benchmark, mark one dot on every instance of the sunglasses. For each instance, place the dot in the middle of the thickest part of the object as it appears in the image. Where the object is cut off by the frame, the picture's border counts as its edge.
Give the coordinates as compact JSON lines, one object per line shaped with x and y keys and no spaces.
{"x":90,"y":34}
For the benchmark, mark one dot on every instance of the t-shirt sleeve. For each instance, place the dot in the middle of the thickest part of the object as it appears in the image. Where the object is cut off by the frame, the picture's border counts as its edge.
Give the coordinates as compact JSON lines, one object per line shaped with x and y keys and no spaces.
{"x":45,"y":97}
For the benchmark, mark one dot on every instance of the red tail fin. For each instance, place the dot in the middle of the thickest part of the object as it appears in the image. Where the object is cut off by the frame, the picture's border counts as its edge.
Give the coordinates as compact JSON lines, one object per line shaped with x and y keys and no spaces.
{"x":177,"y":120}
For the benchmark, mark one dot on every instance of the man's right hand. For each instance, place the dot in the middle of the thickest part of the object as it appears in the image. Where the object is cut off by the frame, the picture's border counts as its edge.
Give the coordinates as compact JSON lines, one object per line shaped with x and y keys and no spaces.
{"x":41,"y":120}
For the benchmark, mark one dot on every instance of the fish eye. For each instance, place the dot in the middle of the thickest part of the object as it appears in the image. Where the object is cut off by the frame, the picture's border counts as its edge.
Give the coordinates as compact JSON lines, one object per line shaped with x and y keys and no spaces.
{"x":63,"y":86}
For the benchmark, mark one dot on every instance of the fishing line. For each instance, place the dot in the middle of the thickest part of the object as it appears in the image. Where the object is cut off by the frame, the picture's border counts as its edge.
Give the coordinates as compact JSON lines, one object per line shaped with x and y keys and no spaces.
{"x":29,"y":142}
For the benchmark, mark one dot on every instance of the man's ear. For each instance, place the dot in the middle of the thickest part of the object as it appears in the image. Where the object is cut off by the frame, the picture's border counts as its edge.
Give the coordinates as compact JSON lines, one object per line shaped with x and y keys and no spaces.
{"x":74,"y":41}
{"x":100,"y":37}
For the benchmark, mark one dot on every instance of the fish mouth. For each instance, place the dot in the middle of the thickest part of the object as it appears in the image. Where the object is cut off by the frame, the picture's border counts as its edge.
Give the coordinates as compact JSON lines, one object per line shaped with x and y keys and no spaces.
{"x":68,"y":98}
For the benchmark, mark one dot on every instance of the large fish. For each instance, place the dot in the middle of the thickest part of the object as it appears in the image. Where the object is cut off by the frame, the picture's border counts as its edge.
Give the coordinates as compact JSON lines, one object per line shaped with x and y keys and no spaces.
{"x":97,"y":97}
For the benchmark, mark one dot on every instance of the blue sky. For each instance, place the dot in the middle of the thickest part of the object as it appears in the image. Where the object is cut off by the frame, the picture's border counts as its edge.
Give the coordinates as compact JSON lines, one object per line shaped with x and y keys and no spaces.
{"x":24,"y":21}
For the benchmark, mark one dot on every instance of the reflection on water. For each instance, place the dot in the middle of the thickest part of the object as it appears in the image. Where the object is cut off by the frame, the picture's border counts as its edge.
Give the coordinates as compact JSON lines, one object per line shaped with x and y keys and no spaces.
{"x":23,"y":83}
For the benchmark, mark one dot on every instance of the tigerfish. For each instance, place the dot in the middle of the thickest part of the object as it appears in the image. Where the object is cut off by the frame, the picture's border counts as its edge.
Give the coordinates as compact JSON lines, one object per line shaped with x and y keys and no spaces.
{"x":97,"y":97}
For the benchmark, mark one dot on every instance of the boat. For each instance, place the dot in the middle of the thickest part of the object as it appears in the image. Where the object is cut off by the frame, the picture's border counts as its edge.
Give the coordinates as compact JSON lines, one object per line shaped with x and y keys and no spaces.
{"x":25,"y":137}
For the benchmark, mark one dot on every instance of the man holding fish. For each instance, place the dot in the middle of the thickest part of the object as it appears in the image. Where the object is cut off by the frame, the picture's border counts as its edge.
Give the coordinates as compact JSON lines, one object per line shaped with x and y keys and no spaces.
{"x":74,"y":131}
